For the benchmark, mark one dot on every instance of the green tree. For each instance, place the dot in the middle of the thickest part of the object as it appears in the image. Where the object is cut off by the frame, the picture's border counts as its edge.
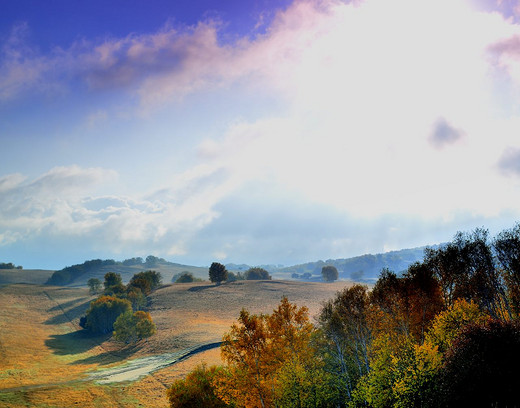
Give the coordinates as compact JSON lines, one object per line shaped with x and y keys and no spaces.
{"x":103,"y":312}
{"x":185,"y":277}
{"x":257,"y":274}
{"x":329,"y":273}
{"x":112,"y":279}
{"x":153,"y":278}
{"x":130,"y":327}
{"x":217,"y":273}
{"x":94,"y":285}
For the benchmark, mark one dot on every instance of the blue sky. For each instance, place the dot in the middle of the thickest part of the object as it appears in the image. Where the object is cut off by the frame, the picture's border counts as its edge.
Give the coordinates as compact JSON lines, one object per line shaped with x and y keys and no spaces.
{"x":254,"y":132}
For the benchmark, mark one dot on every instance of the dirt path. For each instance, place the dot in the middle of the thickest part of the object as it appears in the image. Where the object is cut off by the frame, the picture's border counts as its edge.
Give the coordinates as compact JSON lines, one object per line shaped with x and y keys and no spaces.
{"x":131,"y":370}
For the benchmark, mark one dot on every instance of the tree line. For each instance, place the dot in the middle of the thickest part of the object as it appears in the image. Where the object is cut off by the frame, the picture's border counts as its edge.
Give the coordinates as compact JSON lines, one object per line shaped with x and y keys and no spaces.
{"x":445,"y":333}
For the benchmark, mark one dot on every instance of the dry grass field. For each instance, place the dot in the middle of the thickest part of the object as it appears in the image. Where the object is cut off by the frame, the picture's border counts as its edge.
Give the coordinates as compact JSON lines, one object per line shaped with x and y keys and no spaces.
{"x":44,"y":356}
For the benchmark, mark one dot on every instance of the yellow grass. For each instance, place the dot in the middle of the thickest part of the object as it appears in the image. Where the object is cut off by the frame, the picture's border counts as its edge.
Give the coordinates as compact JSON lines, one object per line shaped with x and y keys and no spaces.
{"x":44,"y":355}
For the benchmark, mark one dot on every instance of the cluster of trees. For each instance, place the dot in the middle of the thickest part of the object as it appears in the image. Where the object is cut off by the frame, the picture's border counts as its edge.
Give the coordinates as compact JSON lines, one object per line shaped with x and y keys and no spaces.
{"x":218,"y":273}
{"x":9,"y":265}
{"x":444,"y":333}
{"x":119,"y":308}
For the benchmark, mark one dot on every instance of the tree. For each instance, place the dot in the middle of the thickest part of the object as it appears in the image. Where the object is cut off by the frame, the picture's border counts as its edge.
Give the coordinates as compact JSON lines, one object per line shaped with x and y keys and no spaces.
{"x":103,"y":312}
{"x":329,"y":273}
{"x":130,"y":327}
{"x":257,"y":274}
{"x":112,"y":279}
{"x":94,"y":285}
{"x":153,"y":278}
{"x":217,"y":273}
{"x":257,"y":347}
{"x":344,"y":322}
{"x":197,"y":389}
{"x":481,"y":367}
{"x":185,"y":277}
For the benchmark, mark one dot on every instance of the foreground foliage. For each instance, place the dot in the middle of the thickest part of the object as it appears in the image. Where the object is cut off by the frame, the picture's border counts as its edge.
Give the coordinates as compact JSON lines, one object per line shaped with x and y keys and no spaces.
{"x":444,"y":333}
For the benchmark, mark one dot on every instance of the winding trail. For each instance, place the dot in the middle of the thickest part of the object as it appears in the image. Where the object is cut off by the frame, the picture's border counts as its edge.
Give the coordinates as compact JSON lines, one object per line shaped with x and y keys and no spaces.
{"x":131,"y":370}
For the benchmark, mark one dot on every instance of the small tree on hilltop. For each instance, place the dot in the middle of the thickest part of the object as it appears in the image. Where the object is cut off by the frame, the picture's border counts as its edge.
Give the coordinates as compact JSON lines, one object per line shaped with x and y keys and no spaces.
{"x":94,"y":285}
{"x":329,"y":273}
{"x":257,"y":274}
{"x":217,"y":273}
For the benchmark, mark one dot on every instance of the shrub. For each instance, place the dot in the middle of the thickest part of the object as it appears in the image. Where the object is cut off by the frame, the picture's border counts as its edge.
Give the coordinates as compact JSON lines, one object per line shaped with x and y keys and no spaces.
{"x":196,"y":390}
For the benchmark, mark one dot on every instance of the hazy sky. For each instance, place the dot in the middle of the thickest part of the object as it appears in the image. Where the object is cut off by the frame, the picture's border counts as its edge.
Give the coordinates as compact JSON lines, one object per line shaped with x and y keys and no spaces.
{"x":256,"y":131}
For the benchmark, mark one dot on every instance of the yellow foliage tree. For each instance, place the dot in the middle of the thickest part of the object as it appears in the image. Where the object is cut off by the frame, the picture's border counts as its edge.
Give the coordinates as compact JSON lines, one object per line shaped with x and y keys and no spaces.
{"x":257,"y":348}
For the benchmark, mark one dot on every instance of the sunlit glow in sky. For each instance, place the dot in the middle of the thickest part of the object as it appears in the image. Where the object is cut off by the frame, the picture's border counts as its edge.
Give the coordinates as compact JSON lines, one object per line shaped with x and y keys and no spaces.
{"x":260,"y":132}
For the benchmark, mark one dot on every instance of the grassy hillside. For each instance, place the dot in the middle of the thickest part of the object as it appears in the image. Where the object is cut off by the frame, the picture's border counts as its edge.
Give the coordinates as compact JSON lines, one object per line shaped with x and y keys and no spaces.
{"x":48,"y":368}
{"x":35,"y":276}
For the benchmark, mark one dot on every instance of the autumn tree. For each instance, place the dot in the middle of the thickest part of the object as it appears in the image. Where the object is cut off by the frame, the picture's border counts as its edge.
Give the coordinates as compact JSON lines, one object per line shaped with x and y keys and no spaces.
{"x":94,"y":285}
{"x":329,"y":273}
{"x":256,"y":349}
{"x":217,"y":273}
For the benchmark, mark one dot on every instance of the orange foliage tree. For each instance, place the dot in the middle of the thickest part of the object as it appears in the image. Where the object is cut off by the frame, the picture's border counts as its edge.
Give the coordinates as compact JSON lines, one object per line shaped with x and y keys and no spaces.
{"x":256,"y":349}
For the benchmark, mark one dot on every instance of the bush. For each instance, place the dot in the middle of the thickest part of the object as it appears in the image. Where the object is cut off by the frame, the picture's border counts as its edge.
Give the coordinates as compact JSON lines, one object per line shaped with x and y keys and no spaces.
{"x":196,"y":390}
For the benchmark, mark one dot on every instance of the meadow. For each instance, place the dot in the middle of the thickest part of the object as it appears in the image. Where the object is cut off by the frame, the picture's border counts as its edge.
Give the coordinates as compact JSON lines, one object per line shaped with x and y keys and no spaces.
{"x":46,"y":358}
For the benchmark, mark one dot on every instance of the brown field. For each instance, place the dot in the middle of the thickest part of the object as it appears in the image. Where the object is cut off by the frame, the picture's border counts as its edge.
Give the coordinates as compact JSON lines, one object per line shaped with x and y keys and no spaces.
{"x":44,"y":355}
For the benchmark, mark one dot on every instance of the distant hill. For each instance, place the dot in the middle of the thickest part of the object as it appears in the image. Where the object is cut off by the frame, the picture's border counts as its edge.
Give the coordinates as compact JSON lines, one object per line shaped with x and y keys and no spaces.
{"x":364,"y":268}
{"x":360,"y":268}
{"x":17,"y":275}
{"x":78,"y":275}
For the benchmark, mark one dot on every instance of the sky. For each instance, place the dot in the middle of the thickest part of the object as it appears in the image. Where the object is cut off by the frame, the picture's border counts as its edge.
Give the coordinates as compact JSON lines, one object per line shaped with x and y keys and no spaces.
{"x":258,"y":132}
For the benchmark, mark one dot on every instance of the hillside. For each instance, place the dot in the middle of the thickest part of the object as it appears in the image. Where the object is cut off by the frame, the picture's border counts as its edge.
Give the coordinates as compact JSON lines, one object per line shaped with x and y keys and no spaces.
{"x":49,"y":368}
{"x":36,"y":276}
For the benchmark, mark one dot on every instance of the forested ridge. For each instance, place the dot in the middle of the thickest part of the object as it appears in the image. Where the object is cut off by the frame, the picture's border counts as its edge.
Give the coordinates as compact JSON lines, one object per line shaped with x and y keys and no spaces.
{"x":444,"y":333}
